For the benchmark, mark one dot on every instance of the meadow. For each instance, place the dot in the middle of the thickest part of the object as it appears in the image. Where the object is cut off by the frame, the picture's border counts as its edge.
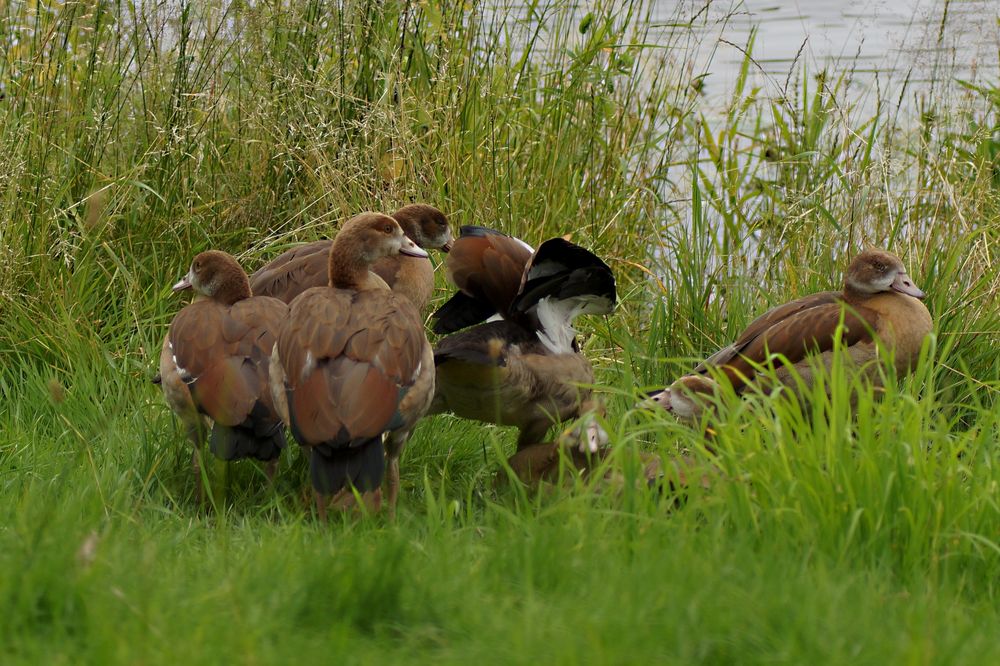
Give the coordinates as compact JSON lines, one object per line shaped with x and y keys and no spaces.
{"x":134,"y":135}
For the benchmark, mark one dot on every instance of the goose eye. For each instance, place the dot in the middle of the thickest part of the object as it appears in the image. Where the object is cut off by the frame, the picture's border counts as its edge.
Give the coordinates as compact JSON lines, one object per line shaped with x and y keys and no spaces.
{"x":196,"y":266}
{"x":387,"y":229}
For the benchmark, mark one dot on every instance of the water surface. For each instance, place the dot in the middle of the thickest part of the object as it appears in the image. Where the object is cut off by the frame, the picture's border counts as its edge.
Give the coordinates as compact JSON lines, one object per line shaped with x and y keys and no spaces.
{"x":884,"y":42}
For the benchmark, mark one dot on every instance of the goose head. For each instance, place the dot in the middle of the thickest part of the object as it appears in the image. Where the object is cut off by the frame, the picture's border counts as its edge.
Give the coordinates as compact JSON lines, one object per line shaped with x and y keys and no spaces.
{"x":216,"y":275}
{"x":876,"y":271}
{"x":425,"y":225}
{"x":686,"y":397}
{"x":363,"y":240}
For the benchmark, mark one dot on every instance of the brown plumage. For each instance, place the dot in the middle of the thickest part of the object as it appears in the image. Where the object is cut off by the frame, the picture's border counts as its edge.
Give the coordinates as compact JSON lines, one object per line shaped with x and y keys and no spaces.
{"x":500,"y":372}
{"x":214,"y":363}
{"x":526,"y":371}
{"x":878,"y":301}
{"x":352,"y":362}
{"x":486,"y":266}
{"x":305,"y":266}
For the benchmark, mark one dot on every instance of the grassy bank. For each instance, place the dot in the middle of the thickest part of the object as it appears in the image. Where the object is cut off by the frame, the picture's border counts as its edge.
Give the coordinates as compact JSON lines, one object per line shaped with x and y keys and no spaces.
{"x":129,"y":141}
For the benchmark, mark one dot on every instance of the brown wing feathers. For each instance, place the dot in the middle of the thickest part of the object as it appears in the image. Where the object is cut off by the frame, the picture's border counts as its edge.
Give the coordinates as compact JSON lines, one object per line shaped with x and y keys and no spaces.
{"x":222,"y":353}
{"x":347,"y":362}
{"x":807,"y":330}
{"x":293,"y":272}
{"x":487,"y":268}
{"x":349,"y":358}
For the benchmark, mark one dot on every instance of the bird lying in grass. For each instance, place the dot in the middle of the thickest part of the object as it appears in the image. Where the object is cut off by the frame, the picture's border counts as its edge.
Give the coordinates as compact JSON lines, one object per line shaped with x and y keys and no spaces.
{"x":877,"y":313}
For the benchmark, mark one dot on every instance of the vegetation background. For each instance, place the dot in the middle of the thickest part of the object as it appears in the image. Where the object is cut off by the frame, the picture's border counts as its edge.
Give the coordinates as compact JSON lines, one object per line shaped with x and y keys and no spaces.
{"x":133,"y":135}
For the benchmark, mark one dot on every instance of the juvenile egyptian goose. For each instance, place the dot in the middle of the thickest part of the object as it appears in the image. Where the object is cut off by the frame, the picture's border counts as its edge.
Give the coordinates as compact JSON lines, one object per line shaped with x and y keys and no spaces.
{"x":352,"y":362}
{"x":214,"y":364}
{"x":878,"y":301}
{"x":687,"y":398}
{"x":525,"y":370}
{"x":305,"y":266}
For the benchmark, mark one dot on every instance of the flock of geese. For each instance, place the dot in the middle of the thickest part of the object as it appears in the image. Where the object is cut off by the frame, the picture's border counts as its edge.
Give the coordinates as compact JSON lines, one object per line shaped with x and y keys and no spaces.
{"x":328,"y":340}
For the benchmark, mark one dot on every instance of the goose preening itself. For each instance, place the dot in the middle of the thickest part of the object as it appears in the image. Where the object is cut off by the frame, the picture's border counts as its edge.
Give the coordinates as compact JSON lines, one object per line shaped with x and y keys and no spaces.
{"x":879,"y":304}
{"x":306,"y":266}
{"x":524,"y":370}
{"x":352,"y":362}
{"x":214,"y":364}
{"x":486,"y":267}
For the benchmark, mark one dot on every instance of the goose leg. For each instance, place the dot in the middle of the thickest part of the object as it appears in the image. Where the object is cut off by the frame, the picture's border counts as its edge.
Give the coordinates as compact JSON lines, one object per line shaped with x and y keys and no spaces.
{"x":395,"y":444}
{"x":393,"y":474}
{"x":373,"y":500}
{"x":199,"y":483}
{"x":321,"y":501}
{"x":271,"y":470}
{"x":197,"y":430}
{"x":347,"y":499}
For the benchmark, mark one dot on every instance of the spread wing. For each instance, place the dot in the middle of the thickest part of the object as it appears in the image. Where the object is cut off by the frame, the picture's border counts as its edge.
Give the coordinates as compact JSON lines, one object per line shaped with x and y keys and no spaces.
{"x":486,"y":266}
{"x":793,"y":330}
{"x":348,"y":360}
{"x":222,"y":354}
{"x":563,"y":271}
{"x":294,"y":271}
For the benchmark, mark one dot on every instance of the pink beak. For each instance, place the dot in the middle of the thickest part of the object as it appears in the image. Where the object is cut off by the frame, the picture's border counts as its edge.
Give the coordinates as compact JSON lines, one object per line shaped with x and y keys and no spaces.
{"x":411,"y":249}
{"x":904,"y":285}
{"x":182,"y":285}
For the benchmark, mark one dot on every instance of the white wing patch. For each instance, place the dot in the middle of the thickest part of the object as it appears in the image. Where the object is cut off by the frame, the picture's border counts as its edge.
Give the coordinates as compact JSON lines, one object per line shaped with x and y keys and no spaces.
{"x":308,"y":367}
{"x":556,"y":319}
{"x":524,"y":245}
{"x":181,"y":372}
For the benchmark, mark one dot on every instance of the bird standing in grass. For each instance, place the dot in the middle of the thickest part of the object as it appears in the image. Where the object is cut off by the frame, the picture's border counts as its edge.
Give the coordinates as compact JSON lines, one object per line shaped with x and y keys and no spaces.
{"x":214,"y":364}
{"x":351,"y":363}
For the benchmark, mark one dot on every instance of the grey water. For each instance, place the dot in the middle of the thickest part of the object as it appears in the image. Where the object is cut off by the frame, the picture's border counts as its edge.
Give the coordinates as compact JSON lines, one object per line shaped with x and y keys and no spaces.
{"x":886,"y":46}
{"x":917,"y":40}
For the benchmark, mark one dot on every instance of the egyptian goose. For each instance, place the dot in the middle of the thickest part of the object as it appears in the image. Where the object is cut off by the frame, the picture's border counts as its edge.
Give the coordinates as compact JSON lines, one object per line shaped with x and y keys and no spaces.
{"x":305,"y":266}
{"x":352,"y":362}
{"x":687,"y":398}
{"x":526,"y":370}
{"x":214,"y":364}
{"x":878,"y":301}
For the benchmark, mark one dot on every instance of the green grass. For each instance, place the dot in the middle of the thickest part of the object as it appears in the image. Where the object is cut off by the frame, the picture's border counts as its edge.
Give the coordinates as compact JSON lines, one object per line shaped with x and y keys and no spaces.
{"x":831,"y":536}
